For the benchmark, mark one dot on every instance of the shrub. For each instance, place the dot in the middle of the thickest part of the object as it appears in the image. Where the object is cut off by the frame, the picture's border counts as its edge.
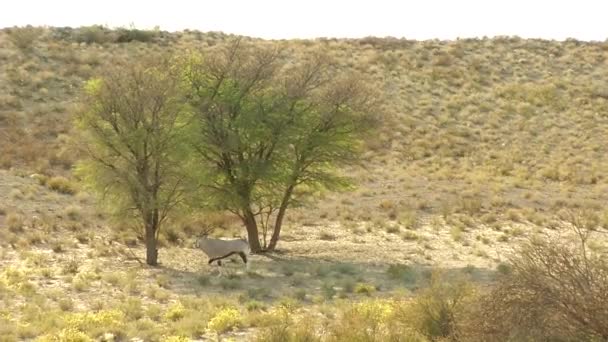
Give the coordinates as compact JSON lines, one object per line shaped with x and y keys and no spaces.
{"x":409,"y":219}
{"x":124,"y":35}
{"x":259,"y":293}
{"x":345,"y":269}
{"x":254,"y":305}
{"x":437,"y":311}
{"x":96,"y":323}
{"x":71,"y":266}
{"x":73,"y":212}
{"x":366,"y":289}
{"x":405,"y":273}
{"x":57,"y":247}
{"x":555,"y":289}
{"x":470,"y":204}
{"x":163,"y":281}
{"x":66,"y":304}
{"x":175,"y":312}
{"x":225,"y":320}
{"x":276,"y":324}
{"x":281,"y":326}
{"x":80,"y":284}
{"x":133,"y":309}
{"x":66,"y":335}
{"x":371,"y":321}
{"x":328,"y":290}
{"x":24,"y":37}
{"x":62,"y":185}
{"x":93,"y":34}
{"x":15,"y":222}
{"x":41,"y":179}
{"x":172,"y":236}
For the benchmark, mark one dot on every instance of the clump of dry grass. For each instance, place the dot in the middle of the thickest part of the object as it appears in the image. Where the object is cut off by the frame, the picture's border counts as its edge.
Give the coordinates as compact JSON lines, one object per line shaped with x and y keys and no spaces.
{"x":15,"y":222}
{"x":62,"y":185}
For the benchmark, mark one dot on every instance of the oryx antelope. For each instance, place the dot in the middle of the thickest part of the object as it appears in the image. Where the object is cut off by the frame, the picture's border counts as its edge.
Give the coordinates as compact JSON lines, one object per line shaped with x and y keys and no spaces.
{"x":218,"y":249}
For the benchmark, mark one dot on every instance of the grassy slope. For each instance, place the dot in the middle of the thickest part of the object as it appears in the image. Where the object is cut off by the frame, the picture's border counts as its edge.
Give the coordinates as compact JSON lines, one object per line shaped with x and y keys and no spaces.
{"x":472,"y":118}
{"x":487,"y":141}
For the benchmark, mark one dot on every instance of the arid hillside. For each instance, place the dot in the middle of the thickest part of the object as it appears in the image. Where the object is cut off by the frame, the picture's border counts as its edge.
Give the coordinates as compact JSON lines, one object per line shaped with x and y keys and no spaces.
{"x":491,"y":126}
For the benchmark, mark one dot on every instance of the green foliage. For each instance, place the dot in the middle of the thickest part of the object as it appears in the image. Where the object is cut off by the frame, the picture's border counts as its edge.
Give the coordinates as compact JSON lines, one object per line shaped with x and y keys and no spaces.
{"x":269,"y":133}
{"x":132,"y":134}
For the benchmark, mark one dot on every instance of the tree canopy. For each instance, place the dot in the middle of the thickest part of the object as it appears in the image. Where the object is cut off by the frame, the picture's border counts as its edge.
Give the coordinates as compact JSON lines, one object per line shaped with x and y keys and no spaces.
{"x":267,"y":125}
{"x":132,"y":130}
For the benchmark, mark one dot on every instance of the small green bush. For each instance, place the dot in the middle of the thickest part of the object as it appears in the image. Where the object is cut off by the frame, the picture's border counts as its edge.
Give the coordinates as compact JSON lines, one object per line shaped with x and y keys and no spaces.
{"x":124,"y":35}
{"x":93,"y":34}
{"x":328,"y":290}
{"x":404,"y":273}
{"x":254,"y":305}
{"x":366,"y":289}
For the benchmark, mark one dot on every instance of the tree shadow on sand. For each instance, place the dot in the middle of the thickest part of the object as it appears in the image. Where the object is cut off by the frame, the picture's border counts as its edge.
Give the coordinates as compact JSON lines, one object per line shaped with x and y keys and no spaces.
{"x":273,"y":276}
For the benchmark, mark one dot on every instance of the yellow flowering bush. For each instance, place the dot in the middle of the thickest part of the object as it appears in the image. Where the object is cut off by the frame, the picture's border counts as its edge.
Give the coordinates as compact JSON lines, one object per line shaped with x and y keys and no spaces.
{"x":225,"y":319}
{"x":88,"y":321}
{"x":175,"y":312}
{"x":12,"y":277}
{"x":375,"y":310}
{"x":66,"y":335}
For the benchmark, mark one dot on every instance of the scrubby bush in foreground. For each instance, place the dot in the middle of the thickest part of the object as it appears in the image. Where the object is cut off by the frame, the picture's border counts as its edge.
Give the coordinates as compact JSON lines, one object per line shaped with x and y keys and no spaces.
{"x":555,"y":290}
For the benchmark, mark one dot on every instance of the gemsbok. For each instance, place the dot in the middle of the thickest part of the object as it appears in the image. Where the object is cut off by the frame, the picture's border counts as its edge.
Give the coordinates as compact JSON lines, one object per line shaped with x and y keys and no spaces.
{"x":218,"y":249}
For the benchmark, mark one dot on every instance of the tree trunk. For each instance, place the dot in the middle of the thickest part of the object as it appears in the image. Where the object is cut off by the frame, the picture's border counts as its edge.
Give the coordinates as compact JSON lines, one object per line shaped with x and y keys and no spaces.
{"x":252,"y":231}
{"x":280,"y":216}
{"x":151,"y":250}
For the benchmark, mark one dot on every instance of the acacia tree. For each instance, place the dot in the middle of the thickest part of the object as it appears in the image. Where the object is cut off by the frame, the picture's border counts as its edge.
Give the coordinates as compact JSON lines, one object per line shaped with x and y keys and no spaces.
{"x":132,"y":134}
{"x":267,"y":125}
